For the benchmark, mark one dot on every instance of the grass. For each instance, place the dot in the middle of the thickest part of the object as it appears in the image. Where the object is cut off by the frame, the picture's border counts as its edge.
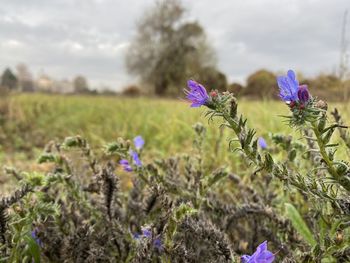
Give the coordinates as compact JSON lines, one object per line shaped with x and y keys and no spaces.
{"x":35,"y":119}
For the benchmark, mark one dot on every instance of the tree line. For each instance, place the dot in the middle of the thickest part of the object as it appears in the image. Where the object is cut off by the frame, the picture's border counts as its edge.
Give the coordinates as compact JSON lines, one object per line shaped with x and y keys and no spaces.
{"x":22,"y":80}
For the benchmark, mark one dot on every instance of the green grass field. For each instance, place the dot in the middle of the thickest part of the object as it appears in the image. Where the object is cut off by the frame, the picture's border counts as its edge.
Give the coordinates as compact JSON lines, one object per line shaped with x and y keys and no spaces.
{"x":29,"y":121}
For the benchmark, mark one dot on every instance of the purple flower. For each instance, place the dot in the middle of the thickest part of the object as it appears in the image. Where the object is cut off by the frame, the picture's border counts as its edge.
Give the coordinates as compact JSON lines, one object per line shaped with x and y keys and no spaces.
{"x":139,"y":142}
{"x":197,"y":94}
{"x":288,"y":86}
{"x":35,"y":237}
{"x":136,"y":236}
{"x":157,"y":243}
{"x":136,"y":158}
{"x":262,"y":143}
{"x":303,"y":94}
{"x":146,"y":232}
{"x":126,"y":165}
{"x":261,"y":255}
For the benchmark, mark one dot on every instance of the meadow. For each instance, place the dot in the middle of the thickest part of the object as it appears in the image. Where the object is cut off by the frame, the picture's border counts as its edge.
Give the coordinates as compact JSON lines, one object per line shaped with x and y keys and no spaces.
{"x":179,"y":155}
{"x":29,"y":121}
{"x":34,"y":119}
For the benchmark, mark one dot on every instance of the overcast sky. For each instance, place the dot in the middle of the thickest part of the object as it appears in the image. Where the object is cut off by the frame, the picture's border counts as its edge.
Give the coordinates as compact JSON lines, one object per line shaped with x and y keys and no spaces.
{"x":64,"y":38}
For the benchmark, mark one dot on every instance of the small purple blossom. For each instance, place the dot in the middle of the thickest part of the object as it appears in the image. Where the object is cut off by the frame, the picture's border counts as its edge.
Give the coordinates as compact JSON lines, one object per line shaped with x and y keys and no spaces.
{"x":36,"y":238}
{"x":136,"y":235}
{"x":262,"y":143}
{"x":126,"y":165}
{"x":146,"y":232}
{"x":261,"y":255}
{"x":197,"y":94}
{"x":157,"y":243}
{"x":288,"y":86}
{"x":136,"y":159}
{"x":138,"y":142}
{"x":303,"y":94}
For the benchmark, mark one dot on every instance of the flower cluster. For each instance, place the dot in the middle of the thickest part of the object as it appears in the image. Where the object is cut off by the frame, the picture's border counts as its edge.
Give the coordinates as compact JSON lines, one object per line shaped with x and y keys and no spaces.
{"x":138,"y":143}
{"x":147,"y":233}
{"x":290,"y":90}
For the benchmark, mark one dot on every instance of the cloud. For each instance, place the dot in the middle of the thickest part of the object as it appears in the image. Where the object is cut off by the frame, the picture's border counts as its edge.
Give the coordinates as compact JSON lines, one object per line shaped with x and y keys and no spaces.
{"x":90,"y":37}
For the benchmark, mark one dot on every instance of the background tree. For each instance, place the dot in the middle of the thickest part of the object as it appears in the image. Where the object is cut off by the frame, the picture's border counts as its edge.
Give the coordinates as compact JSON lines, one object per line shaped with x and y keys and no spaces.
{"x":80,"y":84}
{"x":262,"y":83}
{"x":211,"y":78}
{"x":8,"y":80}
{"x":236,"y":88}
{"x":25,"y":78}
{"x":328,"y":86}
{"x":167,"y":49}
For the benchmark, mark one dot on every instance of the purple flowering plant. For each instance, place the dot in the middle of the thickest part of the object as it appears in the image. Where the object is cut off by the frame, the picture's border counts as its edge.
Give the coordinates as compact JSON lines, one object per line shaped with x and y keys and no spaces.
{"x":298,"y":98}
{"x":261,"y":255}
{"x":138,"y":142}
{"x":262,"y":143}
{"x":196,"y":94}
{"x":34,"y":235}
{"x":147,"y":234}
{"x":290,"y":90}
{"x":125,"y":163}
{"x":309,"y":117}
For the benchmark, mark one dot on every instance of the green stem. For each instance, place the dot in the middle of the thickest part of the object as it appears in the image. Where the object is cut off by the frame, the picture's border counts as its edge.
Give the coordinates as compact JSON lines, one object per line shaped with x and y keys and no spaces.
{"x":233,"y":124}
{"x":323,"y":151}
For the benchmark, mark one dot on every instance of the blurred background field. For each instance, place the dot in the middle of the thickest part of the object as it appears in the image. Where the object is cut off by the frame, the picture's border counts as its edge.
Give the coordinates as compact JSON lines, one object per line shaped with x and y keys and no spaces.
{"x":28,"y":122}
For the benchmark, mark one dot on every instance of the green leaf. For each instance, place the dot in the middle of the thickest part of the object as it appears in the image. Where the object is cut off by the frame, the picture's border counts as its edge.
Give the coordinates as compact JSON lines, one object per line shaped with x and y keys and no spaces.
{"x":33,"y":248}
{"x":299,"y":224}
{"x":216,"y":176}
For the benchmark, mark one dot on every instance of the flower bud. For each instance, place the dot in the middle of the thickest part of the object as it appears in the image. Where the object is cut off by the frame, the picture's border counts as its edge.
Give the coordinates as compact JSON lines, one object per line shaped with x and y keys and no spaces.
{"x":321,"y":105}
{"x":213,"y":94}
{"x":303,"y":94}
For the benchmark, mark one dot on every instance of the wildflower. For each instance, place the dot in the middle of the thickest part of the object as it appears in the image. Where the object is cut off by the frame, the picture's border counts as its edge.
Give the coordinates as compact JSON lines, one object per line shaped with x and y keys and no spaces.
{"x":126,"y":165}
{"x":136,"y":158}
{"x":288,"y":86}
{"x":197,"y":94}
{"x":262,"y":143}
{"x":35,"y":237}
{"x":146,"y":232}
{"x":136,"y":235}
{"x":261,"y":255}
{"x":303,"y":94}
{"x":157,"y":243}
{"x":138,"y":142}
{"x":291,"y":92}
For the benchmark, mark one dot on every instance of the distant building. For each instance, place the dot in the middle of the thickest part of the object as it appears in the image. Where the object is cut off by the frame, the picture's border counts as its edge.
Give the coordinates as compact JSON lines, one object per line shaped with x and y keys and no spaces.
{"x":62,"y":86}
{"x":44,"y":83}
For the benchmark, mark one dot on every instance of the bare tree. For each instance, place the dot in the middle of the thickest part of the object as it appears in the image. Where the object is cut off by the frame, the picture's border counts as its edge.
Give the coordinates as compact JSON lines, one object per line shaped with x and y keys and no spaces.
{"x":167,"y":49}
